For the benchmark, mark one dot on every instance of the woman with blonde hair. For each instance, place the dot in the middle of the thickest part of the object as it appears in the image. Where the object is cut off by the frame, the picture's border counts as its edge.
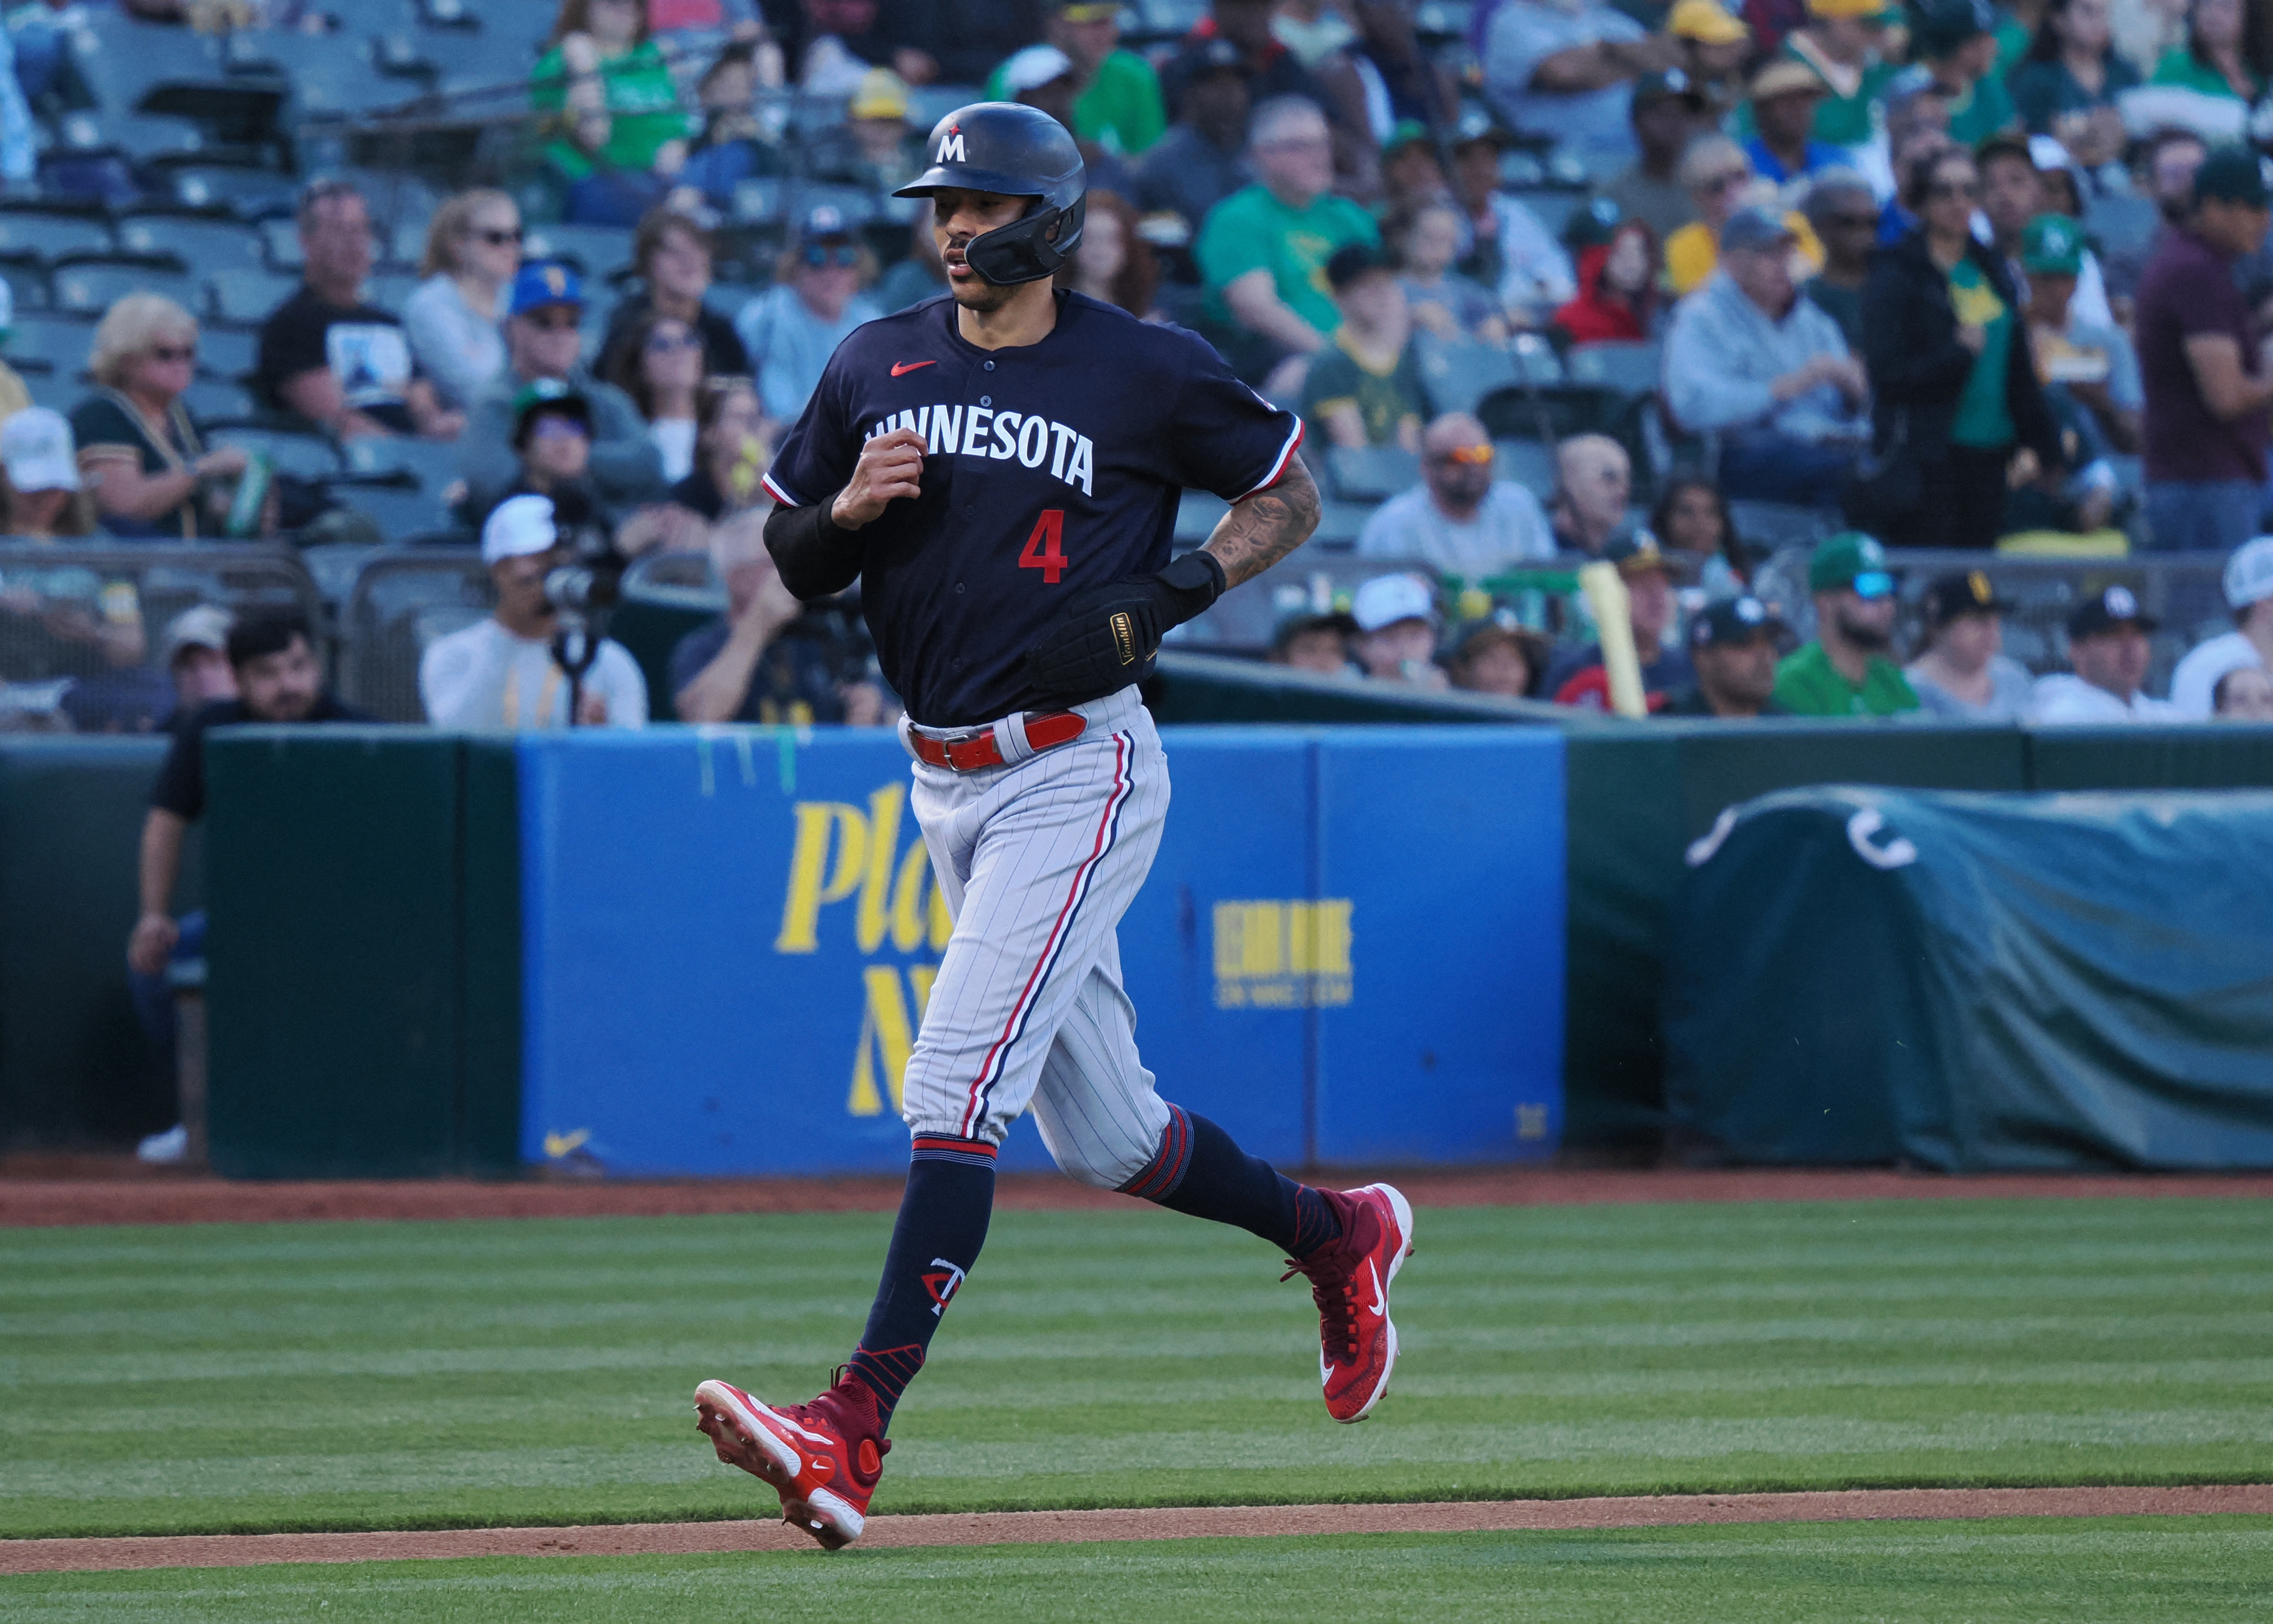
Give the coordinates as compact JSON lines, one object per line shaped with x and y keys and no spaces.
{"x":473,"y":248}
{"x":137,"y":446}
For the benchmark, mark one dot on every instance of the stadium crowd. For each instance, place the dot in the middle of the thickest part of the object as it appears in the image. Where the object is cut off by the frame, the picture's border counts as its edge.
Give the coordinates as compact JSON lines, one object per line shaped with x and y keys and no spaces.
{"x":1819,"y":281}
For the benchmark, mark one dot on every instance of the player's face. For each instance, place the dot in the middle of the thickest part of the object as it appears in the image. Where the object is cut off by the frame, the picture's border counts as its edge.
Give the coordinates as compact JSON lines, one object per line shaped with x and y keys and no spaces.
{"x":957,"y":216}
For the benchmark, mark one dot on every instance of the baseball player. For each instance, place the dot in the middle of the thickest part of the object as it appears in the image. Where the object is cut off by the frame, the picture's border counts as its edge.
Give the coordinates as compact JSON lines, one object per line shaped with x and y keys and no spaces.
{"x":1001,"y":469}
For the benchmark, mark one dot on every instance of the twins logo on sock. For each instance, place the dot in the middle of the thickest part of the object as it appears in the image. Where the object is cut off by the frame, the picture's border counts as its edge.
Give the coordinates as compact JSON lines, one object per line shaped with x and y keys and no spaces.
{"x":942,"y":1287}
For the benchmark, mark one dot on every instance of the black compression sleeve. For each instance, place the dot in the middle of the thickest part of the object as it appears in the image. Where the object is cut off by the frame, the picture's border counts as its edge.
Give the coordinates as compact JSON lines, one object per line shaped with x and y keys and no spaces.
{"x":816,"y":560}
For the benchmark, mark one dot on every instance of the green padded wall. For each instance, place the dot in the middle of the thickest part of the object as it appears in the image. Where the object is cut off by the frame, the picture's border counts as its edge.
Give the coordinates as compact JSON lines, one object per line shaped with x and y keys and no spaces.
{"x":74,"y":1069}
{"x":2193,"y":756}
{"x":650,"y":629}
{"x":1639,"y":795}
{"x":347,"y":1034}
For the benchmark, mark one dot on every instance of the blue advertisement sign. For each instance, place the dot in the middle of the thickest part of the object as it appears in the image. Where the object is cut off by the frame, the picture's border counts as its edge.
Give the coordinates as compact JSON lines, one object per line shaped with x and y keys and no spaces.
{"x":730,"y":935}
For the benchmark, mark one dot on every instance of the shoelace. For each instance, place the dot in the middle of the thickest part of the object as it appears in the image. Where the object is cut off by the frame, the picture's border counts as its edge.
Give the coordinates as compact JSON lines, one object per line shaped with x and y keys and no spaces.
{"x":1337,"y":1308}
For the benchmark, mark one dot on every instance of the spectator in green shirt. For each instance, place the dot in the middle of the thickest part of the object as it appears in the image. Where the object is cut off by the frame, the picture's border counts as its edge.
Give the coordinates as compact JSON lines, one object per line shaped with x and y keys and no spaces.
{"x":2215,"y":58}
{"x":1364,"y":388}
{"x":1117,"y":102}
{"x":1262,"y":251}
{"x":1955,"y":41}
{"x":1841,"y":40}
{"x":622,"y":133}
{"x":1845,"y":672}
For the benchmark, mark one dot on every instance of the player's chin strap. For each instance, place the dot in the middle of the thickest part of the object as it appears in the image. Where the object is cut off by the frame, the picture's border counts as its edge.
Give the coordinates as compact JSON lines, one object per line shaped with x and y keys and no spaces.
{"x":1108,"y":637}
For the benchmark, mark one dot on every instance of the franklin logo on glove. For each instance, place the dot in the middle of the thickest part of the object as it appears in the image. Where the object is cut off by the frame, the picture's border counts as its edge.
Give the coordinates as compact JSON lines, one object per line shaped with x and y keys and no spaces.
{"x":1124,"y":638}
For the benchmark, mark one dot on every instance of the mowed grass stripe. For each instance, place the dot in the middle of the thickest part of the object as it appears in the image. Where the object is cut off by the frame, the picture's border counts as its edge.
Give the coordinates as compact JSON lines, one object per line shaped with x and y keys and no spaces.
{"x":2104,"y":1571}
{"x":438,"y":1374}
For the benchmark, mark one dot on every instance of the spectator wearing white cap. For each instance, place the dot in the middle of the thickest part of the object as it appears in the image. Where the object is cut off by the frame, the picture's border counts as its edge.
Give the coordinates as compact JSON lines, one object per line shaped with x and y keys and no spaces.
{"x":1117,"y":102}
{"x":67,"y":620}
{"x":44,"y":494}
{"x":2107,"y":644}
{"x":500,"y":673}
{"x":792,"y":329}
{"x":196,"y":657}
{"x":1395,"y":617}
{"x":2249,"y":595}
{"x":1459,"y":518}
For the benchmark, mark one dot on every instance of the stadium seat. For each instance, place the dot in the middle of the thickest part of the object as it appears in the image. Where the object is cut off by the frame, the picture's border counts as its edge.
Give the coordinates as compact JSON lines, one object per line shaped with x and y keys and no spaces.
{"x":1553,"y":208}
{"x":280,"y":243}
{"x":1456,"y":374}
{"x":304,"y":456}
{"x":56,"y":393}
{"x":27,"y":284}
{"x":596,"y":251}
{"x":245,"y":297}
{"x":1528,"y":463}
{"x":227,"y":352}
{"x":91,"y":287}
{"x":399,"y":602}
{"x":1371,"y":473}
{"x":201,"y":241}
{"x":431,"y":465}
{"x":248,"y":193}
{"x":28,"y":235}
{"x":56,"y":344}
{"x":401,"y":511}
{"x":217,"y":399}
{"x":390,"y":290}
{"x":1771,"y":527}
{"x":1629,"y":369}
{"x":122,"y":58}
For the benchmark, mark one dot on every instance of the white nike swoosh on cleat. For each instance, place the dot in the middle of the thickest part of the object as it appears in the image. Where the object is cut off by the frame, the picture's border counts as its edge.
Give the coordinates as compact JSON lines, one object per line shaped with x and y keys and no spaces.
{"x":1380,"y":1303}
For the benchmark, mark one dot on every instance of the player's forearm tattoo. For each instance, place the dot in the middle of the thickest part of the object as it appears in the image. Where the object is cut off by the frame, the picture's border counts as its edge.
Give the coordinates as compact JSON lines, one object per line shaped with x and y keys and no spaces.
{"x":1265,"y":527}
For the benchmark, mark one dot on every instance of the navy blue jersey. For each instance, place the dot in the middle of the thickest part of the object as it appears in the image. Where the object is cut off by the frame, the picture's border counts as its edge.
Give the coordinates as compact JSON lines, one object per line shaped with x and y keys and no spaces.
{"x":1049,"y":469}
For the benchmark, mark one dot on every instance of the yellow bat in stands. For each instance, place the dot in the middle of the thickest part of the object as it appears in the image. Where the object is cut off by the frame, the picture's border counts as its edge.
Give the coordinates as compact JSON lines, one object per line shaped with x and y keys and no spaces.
{"x":1606,"y":595}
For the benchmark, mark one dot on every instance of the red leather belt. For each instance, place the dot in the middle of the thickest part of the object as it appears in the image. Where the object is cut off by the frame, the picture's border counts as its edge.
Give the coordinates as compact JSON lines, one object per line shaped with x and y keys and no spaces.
{"x":976,"y":751}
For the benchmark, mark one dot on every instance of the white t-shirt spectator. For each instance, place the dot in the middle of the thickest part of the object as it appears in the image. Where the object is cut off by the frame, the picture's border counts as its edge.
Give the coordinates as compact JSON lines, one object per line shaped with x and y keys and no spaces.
{"x":484,"y":676}
{"x":2063,"y":697}
{"x":2193,"y":686}
{"x":674,"y":437}
{"x":1509,"y":528}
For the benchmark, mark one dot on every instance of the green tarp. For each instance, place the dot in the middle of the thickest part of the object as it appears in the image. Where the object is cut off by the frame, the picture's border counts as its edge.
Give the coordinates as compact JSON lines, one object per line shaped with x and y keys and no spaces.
{"x":1976,"y":981}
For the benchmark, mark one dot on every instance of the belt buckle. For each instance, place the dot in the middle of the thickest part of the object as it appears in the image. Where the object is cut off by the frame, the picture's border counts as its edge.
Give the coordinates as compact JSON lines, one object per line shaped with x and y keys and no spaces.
{"x":955,"y":743}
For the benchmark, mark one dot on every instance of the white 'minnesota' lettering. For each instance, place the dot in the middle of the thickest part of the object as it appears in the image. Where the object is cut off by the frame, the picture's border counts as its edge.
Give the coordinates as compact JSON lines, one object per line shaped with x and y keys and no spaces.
{"x":1006,"y":435}
{"x":999,"y":437}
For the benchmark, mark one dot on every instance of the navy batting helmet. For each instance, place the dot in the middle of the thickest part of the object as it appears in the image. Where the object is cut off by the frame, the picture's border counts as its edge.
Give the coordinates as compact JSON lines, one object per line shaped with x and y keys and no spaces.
{"x":1019,"y":152}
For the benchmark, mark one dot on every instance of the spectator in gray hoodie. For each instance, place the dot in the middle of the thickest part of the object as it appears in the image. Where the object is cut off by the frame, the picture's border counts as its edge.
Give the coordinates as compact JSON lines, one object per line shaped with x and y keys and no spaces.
{"x":1752,"y":361}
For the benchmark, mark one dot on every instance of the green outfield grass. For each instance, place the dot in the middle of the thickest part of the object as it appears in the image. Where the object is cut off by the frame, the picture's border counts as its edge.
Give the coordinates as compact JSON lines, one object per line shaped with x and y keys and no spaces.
{"x":2114,"y":1571}
{"x":360,"y":1375}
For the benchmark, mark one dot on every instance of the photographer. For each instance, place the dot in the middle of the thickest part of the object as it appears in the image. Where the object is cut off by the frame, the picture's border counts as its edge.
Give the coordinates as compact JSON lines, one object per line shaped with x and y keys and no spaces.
{"x":501,"y":672}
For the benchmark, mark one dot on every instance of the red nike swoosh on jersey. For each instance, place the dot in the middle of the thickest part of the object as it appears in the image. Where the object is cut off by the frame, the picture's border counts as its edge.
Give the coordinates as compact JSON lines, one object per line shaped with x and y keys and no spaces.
{"x":909,"y":366}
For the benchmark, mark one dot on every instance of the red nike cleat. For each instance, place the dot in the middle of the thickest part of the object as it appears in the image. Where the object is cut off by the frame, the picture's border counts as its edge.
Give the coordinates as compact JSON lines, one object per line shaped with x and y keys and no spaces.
{"x":1349,"y":1281}
{"x":822,"y":1458}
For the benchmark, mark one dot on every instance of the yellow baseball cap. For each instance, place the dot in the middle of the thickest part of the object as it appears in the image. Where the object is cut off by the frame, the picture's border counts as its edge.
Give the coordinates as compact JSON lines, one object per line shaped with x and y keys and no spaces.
{"x":1705,"y":21}
{"x":881,"y":94}
{"x":1847,"y":8}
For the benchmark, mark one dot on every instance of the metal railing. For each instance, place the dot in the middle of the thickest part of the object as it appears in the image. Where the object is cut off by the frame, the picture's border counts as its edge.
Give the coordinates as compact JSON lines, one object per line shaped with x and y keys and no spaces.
{"x":400,"y":600}
{"x":83,"y":625}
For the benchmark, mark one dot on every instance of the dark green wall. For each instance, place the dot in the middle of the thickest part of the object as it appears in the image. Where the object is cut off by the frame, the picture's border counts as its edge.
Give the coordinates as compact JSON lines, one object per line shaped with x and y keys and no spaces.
{"x":74,"y":1069}
{"x":362,"y":974}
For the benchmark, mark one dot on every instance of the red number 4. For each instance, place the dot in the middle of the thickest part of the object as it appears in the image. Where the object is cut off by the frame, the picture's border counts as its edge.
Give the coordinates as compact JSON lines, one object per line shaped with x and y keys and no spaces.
{"x":1043,"y":550}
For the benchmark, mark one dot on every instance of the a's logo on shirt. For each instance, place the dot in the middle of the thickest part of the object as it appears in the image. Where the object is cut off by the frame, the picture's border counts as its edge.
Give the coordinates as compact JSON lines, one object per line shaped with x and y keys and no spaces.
{"x":1124,"y":637}
{"x":950,"y":148}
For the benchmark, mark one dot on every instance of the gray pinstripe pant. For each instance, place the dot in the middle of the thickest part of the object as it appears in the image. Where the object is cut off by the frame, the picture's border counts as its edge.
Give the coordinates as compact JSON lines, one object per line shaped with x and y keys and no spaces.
{"x":1037,"y":861}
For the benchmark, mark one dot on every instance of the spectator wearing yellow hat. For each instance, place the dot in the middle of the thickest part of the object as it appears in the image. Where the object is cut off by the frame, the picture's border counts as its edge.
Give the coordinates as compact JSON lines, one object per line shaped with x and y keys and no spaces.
{"x":1716,"y":47}
{"x":1117,"y":103}
{"x":1842,"y":42}
{"x":1784,"y":148}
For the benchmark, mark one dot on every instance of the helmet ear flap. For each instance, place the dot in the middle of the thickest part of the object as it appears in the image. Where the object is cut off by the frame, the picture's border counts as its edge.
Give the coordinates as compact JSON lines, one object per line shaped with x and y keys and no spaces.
{"x":1021,"y":251}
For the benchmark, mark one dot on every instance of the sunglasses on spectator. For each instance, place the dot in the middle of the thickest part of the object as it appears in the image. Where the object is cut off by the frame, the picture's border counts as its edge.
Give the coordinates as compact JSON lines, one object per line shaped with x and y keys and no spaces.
{"x":173,"y":352}
{"x":1855,"y":222}
{"x":495,"y":238}
{"x":819,"y":254}
{"x":1954,"y":188}
{"x":663,"y":343}
{"x":1734,"y":177}
{"x":1468,"y":456}
{"x":558,"y":428}
{"x":556,"y":319}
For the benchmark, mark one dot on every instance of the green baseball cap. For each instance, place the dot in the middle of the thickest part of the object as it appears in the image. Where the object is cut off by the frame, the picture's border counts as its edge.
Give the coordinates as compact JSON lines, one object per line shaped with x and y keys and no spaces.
{"x":2050,"y":245}
{"x":1407,"y":132}
{"x":1850,"y":560}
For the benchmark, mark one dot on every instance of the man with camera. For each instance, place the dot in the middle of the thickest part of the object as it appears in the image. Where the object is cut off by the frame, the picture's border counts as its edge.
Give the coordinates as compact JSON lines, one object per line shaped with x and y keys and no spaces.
{"x":502,"y":672}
